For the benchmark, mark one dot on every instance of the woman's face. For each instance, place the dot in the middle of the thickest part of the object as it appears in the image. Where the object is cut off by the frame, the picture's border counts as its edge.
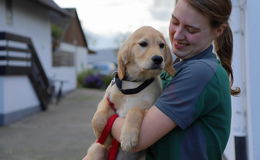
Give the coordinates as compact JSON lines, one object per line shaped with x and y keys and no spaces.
{"x":190,"y":32}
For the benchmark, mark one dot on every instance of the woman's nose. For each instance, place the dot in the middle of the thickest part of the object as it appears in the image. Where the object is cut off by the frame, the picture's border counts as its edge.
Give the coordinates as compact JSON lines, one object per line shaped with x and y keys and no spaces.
{"x":178,"y":34}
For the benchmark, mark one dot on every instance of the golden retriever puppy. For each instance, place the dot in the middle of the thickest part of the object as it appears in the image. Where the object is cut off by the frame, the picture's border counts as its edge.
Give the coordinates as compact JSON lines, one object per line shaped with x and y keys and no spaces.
{"x":141,"y":59}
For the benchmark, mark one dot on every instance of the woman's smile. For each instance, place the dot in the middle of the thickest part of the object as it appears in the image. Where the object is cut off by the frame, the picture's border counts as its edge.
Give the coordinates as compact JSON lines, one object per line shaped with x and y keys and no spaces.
{"x":179,"y":45}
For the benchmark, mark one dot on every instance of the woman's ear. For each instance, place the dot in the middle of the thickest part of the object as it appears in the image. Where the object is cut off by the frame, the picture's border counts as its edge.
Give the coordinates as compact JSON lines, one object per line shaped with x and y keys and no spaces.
{"x":219,"y":31}
{"x":168,"y":61}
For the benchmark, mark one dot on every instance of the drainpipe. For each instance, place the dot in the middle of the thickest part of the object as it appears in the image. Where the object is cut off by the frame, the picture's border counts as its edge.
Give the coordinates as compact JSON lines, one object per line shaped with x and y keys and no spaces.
{"x":239,"y":103}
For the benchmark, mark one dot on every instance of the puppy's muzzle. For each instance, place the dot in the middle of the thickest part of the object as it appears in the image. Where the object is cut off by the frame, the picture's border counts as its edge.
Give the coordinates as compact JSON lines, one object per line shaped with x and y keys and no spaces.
{"x":157,"y":61}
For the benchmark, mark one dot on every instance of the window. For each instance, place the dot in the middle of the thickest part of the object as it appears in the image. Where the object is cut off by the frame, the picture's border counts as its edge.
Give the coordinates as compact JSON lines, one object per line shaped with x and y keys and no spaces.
{"x":62,"y":58}
{"x":9,"y":12}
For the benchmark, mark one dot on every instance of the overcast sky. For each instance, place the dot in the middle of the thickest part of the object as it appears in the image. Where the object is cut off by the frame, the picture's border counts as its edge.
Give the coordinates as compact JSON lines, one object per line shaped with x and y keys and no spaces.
{"x":104,"y":20}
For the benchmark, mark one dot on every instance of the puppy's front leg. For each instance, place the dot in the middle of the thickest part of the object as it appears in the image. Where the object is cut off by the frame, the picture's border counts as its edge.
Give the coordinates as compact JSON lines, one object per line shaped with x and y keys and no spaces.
{"x":99,"y":120}
{"x":131,"y":128}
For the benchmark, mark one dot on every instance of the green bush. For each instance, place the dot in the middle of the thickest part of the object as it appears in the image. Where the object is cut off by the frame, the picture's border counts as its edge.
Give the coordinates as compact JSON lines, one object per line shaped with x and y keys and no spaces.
{"x":81,"y":76}
{"x":107,"y":79}
{"x":56,"y":32}
{"x":92,"y":79}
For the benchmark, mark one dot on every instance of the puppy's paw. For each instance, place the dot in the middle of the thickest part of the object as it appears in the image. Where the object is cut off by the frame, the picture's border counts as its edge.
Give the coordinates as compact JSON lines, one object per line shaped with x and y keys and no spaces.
{"x":129,"y":140}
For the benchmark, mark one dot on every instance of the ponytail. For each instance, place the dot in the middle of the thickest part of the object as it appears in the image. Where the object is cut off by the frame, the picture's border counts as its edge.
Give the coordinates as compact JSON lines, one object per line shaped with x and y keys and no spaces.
{"x":224,"y":48}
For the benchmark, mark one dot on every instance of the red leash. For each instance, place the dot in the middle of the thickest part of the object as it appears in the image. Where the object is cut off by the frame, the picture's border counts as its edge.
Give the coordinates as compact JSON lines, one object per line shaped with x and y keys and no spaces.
{"x":111,"y":104}
{"x":107,"y":129}
{"x":112,"y":152}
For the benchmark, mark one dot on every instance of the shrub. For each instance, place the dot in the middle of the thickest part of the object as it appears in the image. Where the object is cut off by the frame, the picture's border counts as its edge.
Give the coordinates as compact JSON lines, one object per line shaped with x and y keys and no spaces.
{"x":92,"y":79}
{"x":81,"y":77}
{"x":106,"y":80}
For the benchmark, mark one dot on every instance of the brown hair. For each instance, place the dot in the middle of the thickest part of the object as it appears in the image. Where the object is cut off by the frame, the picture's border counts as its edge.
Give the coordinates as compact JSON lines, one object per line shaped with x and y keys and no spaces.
{"x":218,"y":12}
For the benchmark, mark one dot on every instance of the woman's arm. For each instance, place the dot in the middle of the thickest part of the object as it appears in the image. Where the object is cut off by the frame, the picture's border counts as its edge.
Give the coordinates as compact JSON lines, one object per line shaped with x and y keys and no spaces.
{"x":155,"y":125}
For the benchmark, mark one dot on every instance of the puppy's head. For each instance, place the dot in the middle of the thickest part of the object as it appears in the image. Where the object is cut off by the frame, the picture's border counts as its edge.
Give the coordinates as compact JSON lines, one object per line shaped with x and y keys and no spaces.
{"x":144,"y":54}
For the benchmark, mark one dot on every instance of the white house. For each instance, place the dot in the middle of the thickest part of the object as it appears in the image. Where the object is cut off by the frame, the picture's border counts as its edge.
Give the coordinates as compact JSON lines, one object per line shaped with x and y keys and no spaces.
{"x":71,"y":54}
{"x":26,"y":57}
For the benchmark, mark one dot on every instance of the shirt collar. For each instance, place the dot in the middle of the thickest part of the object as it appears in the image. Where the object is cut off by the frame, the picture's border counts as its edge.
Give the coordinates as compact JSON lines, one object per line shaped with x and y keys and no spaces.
{"x":207,"y":53}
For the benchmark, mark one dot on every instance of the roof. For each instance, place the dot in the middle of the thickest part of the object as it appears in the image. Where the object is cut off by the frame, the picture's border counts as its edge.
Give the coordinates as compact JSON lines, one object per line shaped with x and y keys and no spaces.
{"x":51,"y":5}
{"x":73,"y":13}
{"x":64,"y":23}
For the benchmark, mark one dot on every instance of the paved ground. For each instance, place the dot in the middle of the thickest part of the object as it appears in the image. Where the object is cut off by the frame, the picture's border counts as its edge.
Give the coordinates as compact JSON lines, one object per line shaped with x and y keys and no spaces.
{"x":62,"y":133}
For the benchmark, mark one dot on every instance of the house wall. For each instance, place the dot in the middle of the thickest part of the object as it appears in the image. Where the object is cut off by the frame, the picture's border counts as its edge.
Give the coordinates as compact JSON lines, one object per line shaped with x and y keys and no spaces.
{"x":246,"y":110}
{"x":252,"y":57}
{"x":81,"y":59}
{"x":238,"y":127}
{"x":69,"y":74}
{"x":15,"y":104}
{"x":12,"y":92}
{"x":32,"y":21}
{"x":16,"y":101}
{"x":2,"y":13}
{"x":29,"y":20}
{"x":1,"y":95}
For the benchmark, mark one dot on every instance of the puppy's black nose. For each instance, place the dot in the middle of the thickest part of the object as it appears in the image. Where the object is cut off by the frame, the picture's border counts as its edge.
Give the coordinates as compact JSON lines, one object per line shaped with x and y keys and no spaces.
{"x":157,"y":59}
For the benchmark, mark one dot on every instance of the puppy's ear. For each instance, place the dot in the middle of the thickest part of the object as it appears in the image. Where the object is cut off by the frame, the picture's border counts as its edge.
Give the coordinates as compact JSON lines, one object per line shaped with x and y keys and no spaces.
{"x":169,"y":62}
{"x":123,"y":58}
{"x":121,"y":67}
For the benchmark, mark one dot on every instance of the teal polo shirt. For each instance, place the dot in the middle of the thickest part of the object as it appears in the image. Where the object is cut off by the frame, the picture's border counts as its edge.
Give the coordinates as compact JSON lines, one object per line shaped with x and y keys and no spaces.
{"x":197,"y":98}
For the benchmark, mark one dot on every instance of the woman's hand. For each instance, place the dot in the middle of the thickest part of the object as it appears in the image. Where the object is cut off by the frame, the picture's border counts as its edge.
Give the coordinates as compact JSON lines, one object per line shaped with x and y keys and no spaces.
{"x":154,"y":126}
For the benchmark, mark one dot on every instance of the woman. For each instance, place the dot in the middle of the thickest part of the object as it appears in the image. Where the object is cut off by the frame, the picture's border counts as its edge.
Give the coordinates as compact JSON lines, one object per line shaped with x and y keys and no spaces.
{"x":191,"y":119}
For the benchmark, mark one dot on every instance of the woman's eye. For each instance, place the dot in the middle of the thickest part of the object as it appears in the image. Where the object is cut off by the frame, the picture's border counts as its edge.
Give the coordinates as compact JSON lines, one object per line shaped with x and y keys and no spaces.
{"x":161,"y":45}
{"x":143,"y":44}
{"x":192,"y":30}
{"x":174,"y":22}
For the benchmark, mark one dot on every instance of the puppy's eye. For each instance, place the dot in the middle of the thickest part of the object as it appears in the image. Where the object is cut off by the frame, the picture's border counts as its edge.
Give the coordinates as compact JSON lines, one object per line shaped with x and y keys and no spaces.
{"x":143,"y":44}
{"x":161,"y":45}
